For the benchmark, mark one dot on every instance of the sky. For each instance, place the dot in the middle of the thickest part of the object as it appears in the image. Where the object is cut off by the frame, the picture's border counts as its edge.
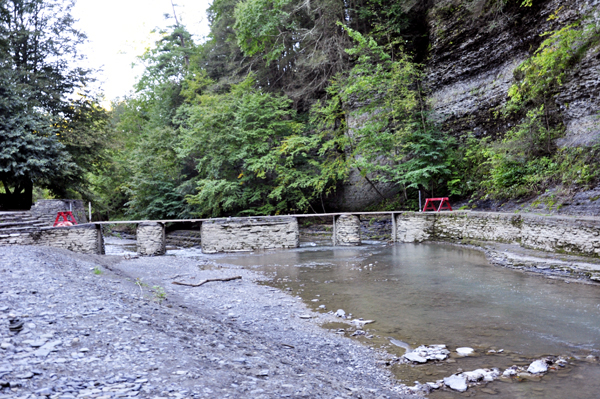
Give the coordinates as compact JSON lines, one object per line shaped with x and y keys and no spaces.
{"x":120,"y":30}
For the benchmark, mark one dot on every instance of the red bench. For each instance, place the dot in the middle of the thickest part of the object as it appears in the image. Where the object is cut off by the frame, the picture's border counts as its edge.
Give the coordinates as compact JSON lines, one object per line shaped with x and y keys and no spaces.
{"x":444,"y":204}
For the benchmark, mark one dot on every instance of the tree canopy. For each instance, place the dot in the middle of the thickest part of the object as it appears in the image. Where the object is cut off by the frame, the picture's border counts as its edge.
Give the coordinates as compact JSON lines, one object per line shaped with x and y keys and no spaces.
{"x":51,"y":130}
{"x":272,"y":113}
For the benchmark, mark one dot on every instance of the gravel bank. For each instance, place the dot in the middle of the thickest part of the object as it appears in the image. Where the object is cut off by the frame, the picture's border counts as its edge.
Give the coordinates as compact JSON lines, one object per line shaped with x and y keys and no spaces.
{"x":105,"y":327}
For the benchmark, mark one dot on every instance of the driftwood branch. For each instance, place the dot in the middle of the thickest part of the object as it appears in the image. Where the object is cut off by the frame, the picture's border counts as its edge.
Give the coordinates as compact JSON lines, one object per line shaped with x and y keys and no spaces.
{"x":208,"y":280}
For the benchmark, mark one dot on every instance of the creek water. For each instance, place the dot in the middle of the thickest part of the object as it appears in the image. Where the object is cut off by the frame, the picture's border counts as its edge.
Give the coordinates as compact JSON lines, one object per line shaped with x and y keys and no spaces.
{"x":426,"y":294}
{"x":440,"y":294}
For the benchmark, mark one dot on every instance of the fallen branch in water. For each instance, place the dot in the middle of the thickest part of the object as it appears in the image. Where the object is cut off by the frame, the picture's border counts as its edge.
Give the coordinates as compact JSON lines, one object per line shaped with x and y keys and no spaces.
{"x":208,"y":280}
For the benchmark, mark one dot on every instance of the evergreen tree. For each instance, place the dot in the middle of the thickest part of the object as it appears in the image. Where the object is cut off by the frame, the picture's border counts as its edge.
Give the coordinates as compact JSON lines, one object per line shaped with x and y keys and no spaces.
{"x":45,"y":109}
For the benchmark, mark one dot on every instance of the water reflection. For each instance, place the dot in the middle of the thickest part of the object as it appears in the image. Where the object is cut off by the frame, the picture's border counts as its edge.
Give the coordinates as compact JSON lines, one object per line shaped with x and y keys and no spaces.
{"x":430,"y":294}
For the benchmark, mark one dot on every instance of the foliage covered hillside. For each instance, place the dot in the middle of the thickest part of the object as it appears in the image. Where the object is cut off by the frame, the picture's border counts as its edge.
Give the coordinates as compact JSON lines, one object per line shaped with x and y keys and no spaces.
{"x":271,"y":113}
{"x":286,"y":98}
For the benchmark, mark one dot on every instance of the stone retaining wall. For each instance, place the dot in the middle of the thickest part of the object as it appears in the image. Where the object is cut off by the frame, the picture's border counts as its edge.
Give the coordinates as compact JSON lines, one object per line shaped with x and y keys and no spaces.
{"x":247,"y":234}
{"x":85,"y":238}
{"x":346,"y":230}
{"x":151,"y":239}
{"x":46,"y":210}
{"x":563,"y":234}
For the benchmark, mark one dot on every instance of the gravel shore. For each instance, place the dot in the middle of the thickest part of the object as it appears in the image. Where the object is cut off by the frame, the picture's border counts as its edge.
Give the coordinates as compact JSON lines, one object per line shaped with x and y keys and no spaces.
{"x":108,"y":327}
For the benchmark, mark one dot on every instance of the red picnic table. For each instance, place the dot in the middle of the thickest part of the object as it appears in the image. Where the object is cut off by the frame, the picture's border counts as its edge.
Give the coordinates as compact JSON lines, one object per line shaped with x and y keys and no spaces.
{"x":444,"y":204}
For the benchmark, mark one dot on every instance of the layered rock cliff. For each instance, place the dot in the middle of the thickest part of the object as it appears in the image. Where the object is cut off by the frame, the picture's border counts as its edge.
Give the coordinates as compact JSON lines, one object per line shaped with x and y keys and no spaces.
{"x":473,"y":56}
{"x":475,"y":47}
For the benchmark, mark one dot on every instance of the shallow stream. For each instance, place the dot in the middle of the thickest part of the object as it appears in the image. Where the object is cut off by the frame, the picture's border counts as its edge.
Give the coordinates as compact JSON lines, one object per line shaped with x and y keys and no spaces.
{"x":440,"y":294}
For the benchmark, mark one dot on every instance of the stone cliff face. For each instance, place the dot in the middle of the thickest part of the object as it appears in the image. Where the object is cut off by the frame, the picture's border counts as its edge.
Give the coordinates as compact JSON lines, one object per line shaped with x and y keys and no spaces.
{"x":472,"y":59}
{"x":470,"y":65}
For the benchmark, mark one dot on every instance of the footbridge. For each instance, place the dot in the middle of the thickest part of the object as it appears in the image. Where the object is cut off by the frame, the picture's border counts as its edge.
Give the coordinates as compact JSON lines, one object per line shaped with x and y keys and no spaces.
{"x":578,"y":235}
{"x":251,"y":233}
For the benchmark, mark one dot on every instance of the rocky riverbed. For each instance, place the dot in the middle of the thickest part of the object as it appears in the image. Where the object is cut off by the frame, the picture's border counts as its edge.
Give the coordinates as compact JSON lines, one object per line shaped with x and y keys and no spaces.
{"x":84,"y":326}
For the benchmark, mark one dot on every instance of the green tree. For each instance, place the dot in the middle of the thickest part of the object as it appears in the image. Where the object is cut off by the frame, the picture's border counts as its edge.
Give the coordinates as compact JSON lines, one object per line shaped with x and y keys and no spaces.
{"x":146,"y":174}
{"x":30,"y":151}
{"x":233,"y":139}
{"x":39,"y":47}
{"x":377,"y":119}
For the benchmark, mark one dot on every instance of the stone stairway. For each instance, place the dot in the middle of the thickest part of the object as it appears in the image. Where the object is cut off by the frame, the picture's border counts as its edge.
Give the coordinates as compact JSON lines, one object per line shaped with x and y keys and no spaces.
{"x":184,"y":238}
{"x":13,"y":222}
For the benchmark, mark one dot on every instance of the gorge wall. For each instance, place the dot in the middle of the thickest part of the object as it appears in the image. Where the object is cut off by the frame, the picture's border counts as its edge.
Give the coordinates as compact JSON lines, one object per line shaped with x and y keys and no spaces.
{"x":473,"y":55}
{"x":474,"y":48}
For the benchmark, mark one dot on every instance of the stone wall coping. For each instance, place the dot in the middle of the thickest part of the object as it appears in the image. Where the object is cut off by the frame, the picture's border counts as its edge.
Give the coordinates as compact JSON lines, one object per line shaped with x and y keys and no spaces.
{"x":77,"y":226}
{"x":59,"y":200}
{"x":591,"y":220}
{"x":225,"y":219}
{"x":253,"y":220}
{"x":150,"y":224}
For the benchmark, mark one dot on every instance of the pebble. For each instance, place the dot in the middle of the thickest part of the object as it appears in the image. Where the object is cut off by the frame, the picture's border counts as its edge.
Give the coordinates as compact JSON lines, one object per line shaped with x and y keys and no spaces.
{"x":538,"y":366}
{"x":456,"y":382}
{"x":465,"y":351}
{"x":100,"y":338}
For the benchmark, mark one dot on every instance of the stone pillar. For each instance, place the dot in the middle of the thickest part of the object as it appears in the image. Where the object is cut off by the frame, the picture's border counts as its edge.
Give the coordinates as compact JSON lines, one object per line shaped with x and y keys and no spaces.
{"x":151,"y":239}
{"x":346,"y":230}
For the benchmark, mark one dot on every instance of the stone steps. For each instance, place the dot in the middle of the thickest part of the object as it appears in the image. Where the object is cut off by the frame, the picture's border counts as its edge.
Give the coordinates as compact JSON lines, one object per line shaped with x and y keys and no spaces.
{"x":184,"y":238}
{"x":19,"y":222}
{"x":18,"y":230}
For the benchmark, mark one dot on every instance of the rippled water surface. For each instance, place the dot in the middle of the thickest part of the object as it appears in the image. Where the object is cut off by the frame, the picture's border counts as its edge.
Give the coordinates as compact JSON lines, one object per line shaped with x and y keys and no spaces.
{"x":431,"y":294}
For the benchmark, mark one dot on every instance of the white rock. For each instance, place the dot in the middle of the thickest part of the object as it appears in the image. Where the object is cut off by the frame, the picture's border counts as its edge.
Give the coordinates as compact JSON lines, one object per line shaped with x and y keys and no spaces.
{"x":482,"y":374}
{"x":491,"y":375}
{"x":433,"y":385}
{"x":509,"y":372}
{"x":456,"y":382}
{"x":414,"y":357}
{"x":361,"y":323}
{"x":465,"y":351}
{"x":475,"y":375}
{"x":340,"y":313}
{"x":539,"y":366}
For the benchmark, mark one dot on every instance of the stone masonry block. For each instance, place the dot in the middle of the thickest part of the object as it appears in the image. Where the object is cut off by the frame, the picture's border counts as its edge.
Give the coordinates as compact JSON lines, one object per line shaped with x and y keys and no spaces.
{"x":248,"y":234}
{"x":151,"y":239}
{"x":347,"y":230}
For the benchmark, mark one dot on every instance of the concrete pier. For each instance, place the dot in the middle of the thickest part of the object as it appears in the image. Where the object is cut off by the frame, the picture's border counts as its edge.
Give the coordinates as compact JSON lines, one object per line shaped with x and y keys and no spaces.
{"x":346,"y":230}
{"x":151,"y":239}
